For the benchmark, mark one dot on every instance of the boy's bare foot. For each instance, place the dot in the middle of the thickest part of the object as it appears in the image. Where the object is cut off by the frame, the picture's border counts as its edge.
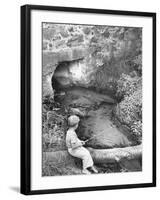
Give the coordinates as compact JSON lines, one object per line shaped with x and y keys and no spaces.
{"x":94,"y":169}
{"x":85,"y":171}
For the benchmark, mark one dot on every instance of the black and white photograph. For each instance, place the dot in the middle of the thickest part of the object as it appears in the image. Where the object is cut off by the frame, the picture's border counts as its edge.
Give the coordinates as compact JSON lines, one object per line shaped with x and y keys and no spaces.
{"x":92,"y":99}
{"x":88,"y":99}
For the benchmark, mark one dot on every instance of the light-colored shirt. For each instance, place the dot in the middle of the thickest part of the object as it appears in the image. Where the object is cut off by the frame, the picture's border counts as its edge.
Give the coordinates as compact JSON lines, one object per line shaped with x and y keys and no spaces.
{"x":72,"y":140}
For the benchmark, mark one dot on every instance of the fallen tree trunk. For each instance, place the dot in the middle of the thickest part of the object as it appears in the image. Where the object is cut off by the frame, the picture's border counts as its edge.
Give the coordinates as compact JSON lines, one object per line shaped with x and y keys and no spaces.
{"x":116,"y":154}
{"x":100,"y":156}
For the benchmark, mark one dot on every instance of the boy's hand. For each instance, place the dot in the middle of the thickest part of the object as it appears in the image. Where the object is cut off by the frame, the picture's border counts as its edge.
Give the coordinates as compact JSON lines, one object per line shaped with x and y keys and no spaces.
{"x":83,"y":142}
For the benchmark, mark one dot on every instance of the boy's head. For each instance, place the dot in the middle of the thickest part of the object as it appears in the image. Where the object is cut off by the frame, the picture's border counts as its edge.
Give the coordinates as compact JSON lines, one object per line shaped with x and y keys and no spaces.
{"x":73,"y":120}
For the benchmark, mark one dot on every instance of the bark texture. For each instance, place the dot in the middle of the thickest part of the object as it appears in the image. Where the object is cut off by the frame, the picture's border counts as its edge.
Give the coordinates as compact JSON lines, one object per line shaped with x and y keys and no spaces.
{"x":102,"y":156}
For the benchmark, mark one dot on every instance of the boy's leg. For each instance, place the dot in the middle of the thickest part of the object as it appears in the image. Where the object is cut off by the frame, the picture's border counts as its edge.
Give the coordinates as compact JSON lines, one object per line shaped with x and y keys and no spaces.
{"x":86,"y":171}
{"x":87,"y":159}
{"x":94,"y":169}
{"x":84,"y":154}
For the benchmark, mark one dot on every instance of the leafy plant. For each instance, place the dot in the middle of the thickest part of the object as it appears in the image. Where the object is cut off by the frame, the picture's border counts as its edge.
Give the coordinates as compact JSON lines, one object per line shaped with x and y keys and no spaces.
{"x":126,"y":85}
{"x":129,"y":110}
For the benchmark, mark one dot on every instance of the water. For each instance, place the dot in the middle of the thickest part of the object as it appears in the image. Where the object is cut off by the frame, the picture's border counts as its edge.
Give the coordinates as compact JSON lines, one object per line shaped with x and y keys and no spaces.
{"x":97,"y":123}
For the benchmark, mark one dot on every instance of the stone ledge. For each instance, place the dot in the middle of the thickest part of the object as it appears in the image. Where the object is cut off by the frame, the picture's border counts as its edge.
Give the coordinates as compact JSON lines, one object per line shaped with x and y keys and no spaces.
{"x":67,"y":54}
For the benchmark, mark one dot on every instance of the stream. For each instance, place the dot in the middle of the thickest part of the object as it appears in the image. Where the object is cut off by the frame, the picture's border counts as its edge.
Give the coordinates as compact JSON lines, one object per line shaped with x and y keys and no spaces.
{"x":96,"y":124}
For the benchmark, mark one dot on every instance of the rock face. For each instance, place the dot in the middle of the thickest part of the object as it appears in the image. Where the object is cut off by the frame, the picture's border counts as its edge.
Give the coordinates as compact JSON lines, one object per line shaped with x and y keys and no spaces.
{"x":100,"y":52}
{"x":61,"y":55}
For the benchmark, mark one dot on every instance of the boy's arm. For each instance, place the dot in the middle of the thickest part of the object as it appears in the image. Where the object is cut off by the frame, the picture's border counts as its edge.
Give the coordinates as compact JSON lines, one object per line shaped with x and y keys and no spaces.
{"x":76,"y":144}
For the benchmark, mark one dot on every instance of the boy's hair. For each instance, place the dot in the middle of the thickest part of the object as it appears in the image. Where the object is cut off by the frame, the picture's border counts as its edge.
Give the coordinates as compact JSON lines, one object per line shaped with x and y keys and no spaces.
{"x":73,"y":120}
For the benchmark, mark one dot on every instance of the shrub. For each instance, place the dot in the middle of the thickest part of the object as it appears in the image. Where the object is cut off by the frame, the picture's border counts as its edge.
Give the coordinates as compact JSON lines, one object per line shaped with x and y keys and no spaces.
{"x":138,"y":64}
{"x":129,"y":110}
{"x":126,"y":85}
{"x":137,"y":128}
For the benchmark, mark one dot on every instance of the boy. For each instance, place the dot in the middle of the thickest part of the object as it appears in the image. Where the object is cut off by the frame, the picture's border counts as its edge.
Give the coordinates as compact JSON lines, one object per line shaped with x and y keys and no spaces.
{"x":75,"y":146}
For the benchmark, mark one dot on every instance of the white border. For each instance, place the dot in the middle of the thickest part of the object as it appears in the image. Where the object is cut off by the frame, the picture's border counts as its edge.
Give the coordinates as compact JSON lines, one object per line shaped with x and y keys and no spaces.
{"x":41,"y":183}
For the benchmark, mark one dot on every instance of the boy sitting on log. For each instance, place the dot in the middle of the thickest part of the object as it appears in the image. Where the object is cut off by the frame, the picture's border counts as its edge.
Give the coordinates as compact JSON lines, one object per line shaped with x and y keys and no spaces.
{"x":75,"y":146}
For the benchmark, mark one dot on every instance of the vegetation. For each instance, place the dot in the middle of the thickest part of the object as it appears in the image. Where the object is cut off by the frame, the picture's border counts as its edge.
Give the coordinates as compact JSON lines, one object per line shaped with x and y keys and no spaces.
{"x":129,"y":110}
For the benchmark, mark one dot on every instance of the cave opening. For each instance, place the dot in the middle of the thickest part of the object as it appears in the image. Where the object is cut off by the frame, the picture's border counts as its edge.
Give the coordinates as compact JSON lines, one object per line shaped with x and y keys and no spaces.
{"x":59,"y":74}
{"x":67,"y":74}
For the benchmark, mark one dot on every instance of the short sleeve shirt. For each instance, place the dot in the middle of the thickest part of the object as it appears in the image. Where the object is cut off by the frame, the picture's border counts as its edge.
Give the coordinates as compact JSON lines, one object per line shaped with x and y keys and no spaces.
{"x":71,"y":138}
